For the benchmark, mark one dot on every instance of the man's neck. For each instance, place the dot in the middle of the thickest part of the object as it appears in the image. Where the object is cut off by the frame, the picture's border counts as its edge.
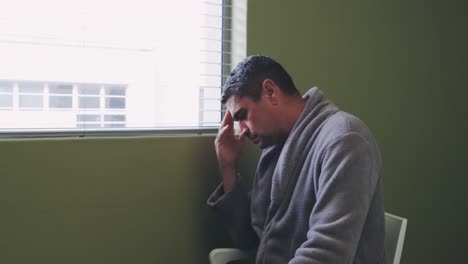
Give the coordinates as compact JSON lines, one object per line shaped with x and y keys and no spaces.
{"x":295,"y":107}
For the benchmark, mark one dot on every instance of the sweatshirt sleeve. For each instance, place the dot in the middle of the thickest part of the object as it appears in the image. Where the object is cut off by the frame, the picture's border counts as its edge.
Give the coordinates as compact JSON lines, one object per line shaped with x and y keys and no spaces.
{"x":349,"y":175}
{"x":234,"y":208}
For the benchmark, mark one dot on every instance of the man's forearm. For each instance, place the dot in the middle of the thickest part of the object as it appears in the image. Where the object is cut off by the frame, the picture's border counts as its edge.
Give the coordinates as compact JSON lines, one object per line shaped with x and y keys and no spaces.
{"x":229,"y":178}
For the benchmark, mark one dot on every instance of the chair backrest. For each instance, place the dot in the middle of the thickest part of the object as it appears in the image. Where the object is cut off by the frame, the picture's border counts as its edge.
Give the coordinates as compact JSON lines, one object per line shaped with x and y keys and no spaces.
{"x":395,"y":230}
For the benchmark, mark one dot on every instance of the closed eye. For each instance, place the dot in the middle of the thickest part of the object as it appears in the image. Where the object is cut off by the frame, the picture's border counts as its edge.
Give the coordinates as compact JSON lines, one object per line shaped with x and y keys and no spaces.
{"x":240,"y":115}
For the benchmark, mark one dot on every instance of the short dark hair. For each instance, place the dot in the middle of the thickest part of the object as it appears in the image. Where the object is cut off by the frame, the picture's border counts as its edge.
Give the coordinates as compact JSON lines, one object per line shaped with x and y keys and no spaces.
{"x":247,"y":78}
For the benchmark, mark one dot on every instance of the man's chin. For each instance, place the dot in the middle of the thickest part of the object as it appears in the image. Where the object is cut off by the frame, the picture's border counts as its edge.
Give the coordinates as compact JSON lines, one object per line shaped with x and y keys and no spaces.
{"x":259,"y":143}
{"x":263,"y":142}
{"x":264,"y":145}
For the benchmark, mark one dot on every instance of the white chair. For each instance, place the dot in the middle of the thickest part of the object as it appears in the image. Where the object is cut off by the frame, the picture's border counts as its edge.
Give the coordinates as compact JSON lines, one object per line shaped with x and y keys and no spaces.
{"x":224,"y":255}
{"x":395,"y":230}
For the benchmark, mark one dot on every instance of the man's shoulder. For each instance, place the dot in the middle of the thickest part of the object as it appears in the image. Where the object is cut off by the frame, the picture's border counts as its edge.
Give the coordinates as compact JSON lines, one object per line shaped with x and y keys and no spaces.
{"x":341,"y":124}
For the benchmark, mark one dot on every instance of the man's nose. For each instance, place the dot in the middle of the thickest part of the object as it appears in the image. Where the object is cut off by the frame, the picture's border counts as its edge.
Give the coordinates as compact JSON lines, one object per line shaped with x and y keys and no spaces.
{"x":243,"y":126}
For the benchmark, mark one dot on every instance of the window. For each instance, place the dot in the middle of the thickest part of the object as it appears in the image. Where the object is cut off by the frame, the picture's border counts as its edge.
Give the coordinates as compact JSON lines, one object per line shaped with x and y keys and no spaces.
{"x":89,"y":96}
{"x":115,"y":97}
{"x":60,"y":96}
{"x":6,"y":95}
{"x":31,"y":96}
{"x":147,"y":65}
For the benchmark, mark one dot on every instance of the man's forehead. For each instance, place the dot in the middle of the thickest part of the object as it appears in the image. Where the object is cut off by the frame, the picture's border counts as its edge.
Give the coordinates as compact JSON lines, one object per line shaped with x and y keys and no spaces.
{"x":233,"y":103}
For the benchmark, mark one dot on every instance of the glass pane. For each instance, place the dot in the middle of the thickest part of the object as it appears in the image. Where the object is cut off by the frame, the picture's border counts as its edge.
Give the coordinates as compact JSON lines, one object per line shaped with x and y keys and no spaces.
{"x":114,"y":125}
{"x":30,"y":101}
{"x":31,"y":87}
{"x":6,"y":100}
{"x":88,"y":102}
{"x":88,"y":118}
{"x":88,"y":125}
{"x":211,"y":116}
{"x":60,"y":102}
{"x":6,"y":87}
{"x":213,"y":45}
{"x":212,"y":105}
{"x":213,"y":10}
{"x":212,"y":81}
{"x":212,"y":93}
{"x":115,"y":90}
{"x":213,"y":57}
{"x":213,"y":20}
{"x":115,"y":103}
{"x":114,"y":118}
{"x":60,"y":88}
{"x":89,"y":89}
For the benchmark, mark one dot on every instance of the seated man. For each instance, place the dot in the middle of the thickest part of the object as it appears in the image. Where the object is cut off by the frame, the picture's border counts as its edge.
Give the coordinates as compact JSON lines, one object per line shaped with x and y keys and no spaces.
{"x":317,"y":196}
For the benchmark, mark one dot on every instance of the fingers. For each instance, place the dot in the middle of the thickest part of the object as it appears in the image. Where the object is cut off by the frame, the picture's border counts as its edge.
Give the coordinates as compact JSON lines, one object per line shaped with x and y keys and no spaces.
{"x":227,"y":120}
{"x":224,"y":133}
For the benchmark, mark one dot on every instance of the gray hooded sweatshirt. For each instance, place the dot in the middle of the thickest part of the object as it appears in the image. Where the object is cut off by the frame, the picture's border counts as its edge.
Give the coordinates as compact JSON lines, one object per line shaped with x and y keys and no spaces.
{"x":316,"y":198}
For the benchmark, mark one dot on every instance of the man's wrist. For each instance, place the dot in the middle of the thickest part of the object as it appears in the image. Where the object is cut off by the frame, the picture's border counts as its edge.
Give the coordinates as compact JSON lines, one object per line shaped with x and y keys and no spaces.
{"x":229,"y":179}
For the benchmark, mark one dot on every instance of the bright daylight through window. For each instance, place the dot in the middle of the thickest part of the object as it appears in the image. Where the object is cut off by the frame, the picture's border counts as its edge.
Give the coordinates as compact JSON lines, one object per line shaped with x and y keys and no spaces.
{"x":91,"y":65}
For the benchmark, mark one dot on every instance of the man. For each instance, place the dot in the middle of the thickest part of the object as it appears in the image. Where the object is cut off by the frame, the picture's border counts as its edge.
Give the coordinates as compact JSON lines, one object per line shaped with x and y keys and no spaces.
{"x":317,"y":196}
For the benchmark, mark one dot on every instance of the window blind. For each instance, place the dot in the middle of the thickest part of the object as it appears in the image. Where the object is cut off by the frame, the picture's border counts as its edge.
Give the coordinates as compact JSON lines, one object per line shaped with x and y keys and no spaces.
{"x":223,"y":52}
{"x":110,"y":67}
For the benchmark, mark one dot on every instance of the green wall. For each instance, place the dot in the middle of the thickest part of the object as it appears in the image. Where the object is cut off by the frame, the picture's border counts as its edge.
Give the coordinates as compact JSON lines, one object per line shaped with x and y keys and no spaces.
{"x":401,"y":66}
{"x":134,"y":200}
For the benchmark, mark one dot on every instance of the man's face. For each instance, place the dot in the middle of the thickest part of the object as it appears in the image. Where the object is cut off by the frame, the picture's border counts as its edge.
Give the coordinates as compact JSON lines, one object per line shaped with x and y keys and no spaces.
{"x":258,"y":118}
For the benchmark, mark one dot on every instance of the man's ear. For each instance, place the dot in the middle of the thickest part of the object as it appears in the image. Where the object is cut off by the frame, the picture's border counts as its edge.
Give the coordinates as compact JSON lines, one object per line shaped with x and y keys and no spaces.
{"x":270,"y":91}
